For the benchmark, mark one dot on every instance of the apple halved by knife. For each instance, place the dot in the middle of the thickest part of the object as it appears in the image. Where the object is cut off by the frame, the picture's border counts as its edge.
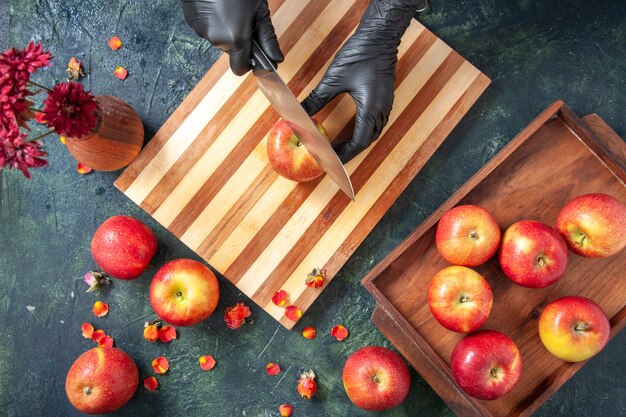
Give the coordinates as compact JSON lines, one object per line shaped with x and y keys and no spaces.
{"x":289,"y":157}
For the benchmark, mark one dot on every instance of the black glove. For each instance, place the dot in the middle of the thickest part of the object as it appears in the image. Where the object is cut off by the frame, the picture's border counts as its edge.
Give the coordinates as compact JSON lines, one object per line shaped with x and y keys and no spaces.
{"x":231,"y":25}
{"x":365,"y":68}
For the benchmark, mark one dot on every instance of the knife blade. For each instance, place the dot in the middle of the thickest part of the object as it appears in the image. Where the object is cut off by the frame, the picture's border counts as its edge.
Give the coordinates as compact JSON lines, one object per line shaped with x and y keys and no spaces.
{"x":289,"y":108}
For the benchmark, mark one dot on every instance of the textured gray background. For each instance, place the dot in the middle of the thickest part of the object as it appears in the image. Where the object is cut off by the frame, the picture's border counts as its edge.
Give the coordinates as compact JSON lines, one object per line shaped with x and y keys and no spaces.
{"x":535,"y":52}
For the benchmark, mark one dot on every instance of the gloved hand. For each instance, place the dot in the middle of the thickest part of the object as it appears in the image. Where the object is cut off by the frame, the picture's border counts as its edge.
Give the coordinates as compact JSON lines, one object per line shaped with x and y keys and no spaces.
{"x":365,"y":68}
{"x":231,"y":25}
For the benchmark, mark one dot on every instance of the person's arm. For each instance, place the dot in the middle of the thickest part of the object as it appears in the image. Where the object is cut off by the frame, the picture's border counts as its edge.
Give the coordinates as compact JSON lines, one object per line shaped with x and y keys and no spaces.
{"x":365,"y":68}
{"x":232,"y":25}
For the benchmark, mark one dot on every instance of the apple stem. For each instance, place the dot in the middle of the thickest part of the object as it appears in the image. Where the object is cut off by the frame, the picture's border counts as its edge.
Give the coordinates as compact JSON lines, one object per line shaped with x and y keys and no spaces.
{"x":178,"y":294}
{"x":541,"y":261}
{"x":581,"y":240}
{"x":579,"y":327}
{"x":87,"y":390}
{"x":465,"y":299}
{"x":493,"y":372}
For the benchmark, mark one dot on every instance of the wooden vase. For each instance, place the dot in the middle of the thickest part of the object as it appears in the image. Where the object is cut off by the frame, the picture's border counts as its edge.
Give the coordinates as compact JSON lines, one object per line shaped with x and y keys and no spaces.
{"x":115,"y":142}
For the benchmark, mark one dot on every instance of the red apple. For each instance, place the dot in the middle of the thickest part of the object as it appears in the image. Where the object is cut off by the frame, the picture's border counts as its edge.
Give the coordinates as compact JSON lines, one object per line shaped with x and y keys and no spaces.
{"x":533,"y":254}
{"x":123,"y":247}
{"x":289,"y":157}
{"x":460,"y":299}
{"x":184,"y":292}
{"x":376,"y":378}
{"x":574,"y":328}
{"x":101,"y":380}
{"x":486,"y":364}
{"x":467,"y":235}
{"x":593,"y":225}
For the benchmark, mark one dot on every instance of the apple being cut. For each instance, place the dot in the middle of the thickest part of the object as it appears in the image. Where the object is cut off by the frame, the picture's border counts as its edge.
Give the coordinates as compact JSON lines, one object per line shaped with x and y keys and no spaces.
{"x":486,"y":364}
{"x":533,"y":254}
{"x":184,"y":292}
{"x":460,"y":299}
{"x":574,"y":328}
{"x":376,"y":378}
{"x":467,"y":235}
{"x":101,"y":380}
{"x":123,"y":247}
{"x":288,"y":156}
{"x":593,"y":225}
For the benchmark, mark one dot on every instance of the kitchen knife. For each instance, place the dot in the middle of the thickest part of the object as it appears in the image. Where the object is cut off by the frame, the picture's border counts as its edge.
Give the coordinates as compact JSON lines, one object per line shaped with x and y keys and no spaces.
{"x":288,"y":107}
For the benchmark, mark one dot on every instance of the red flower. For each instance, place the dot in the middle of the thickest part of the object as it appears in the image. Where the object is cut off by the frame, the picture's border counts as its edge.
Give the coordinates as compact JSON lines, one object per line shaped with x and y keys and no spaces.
{"x":17,"y":65}
{"x":71,"y":111}
{"x":235,"y":316}
{"x":16,"y":153}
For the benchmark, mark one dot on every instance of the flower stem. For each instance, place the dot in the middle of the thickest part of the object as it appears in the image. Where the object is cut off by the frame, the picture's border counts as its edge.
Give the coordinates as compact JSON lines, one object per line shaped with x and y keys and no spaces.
{"x":40,"y":86}
{"x":42,"y":136}
{"x":34,"y":109}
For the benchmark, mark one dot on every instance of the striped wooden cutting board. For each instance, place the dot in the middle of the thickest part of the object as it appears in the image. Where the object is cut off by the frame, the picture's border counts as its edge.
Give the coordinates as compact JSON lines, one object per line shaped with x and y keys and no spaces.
{"x":206,"y":178}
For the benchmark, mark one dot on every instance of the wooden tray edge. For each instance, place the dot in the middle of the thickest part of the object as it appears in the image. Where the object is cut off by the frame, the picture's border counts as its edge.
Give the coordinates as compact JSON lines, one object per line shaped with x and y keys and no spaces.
{"x":609,"y":148}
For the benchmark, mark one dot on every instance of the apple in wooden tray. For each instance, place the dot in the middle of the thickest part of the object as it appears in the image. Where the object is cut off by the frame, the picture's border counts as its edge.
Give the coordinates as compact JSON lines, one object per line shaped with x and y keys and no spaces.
{"x":101,"y":380}
{"x":288,"y":156}
{"x":593,"y":225}
{"x":486,"y":364}
{"x":574,"y":328}
{"x":533,"y":254}
{"x":460,"y":299}
{"x":376,"y":378}
{"x":184,"y":292}
{"x":123,"y":247}
{"x":467,"y":235}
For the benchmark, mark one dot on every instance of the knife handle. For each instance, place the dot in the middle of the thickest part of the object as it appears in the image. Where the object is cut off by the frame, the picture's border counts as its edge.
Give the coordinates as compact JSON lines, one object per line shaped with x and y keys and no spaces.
{"x":260,"y":61}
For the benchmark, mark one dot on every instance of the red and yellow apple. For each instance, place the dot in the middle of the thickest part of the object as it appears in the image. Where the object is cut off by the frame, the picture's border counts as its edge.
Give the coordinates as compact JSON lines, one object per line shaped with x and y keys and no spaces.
{"x":533,"y":254}
{"x":574,"y":328}
{"x":289,"y":157}
{"x":123,"y":247}
{"x":486,"y":364}
{"x":467,"y":235}
{"x":460,"y":299}
{"x":593,"y":225}
{"x":184,"y":292}
{"x":376,"y":378}
{"x":101,"y":380}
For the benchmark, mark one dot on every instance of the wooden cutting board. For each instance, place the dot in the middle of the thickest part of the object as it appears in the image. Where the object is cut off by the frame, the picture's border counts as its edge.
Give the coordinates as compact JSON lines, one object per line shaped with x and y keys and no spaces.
{"x":206,"y":178}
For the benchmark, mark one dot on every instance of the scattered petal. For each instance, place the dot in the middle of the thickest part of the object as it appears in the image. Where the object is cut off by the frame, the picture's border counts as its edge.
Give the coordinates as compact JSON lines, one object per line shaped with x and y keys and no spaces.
{"x":106,"y":341}
{"x":62,"y":139}
{"x":150,"y":383}
{"x":98,"y":335}
{"x":207,"y":362}
{"x":74,"y":69}
{"x":167,"y":334}
{"x":339,"y":332}
{"x":30,"y":308}
{"x":83,"y":169}
{"x":100,"y":309}
{"x":87,"y":330}
{"x":160,"y":365}
{"x":40,"y":118}
{"x":285,"y":410}
{"x":151,"y":333}
{"x":235,"y":316}
{"x":121,"y":73}
{"x":307,"y":385}
{"x":280,"y":298}
{"x":272,"y":369}
{"x":293,"y":313}
{"x":316,"y":278}
{"x":309,"y":332}
{"x":115,"y":43}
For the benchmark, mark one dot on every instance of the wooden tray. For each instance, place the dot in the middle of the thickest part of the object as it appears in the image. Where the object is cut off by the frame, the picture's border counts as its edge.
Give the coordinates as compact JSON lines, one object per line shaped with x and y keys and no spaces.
{"x":557,"y":157}
{"x":206,"y":178}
